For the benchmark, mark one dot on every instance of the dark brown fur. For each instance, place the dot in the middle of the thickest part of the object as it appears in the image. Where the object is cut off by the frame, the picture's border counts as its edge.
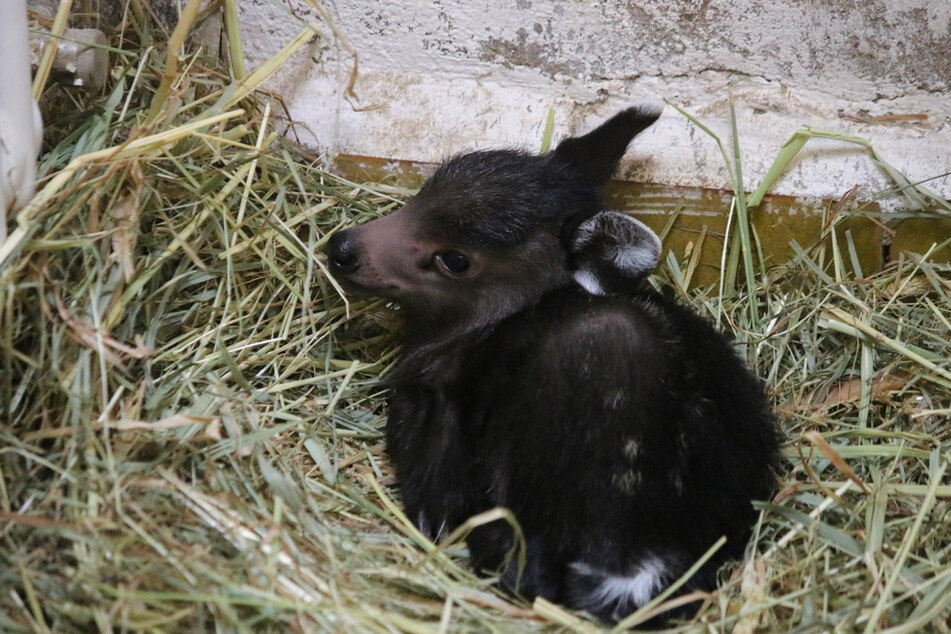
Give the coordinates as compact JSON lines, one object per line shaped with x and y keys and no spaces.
{"x":620,"y":428}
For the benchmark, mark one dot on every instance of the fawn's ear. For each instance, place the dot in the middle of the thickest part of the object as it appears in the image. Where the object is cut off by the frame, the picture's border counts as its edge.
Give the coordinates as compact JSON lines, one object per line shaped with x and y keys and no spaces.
{"x":610,"y":252}
{"x":596,"y":155}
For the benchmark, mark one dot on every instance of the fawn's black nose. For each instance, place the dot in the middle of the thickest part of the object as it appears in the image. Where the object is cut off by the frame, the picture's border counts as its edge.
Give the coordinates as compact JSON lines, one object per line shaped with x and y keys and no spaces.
{"x":341,"y":252}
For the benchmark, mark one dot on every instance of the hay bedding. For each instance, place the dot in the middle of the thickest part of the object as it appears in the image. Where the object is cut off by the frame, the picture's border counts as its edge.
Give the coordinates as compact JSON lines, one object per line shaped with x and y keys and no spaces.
{"x":191,"y":435}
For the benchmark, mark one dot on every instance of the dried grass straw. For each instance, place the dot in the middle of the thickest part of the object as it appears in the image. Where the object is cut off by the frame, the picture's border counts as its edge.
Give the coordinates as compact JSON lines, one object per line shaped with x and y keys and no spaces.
{"x":191,"y":433}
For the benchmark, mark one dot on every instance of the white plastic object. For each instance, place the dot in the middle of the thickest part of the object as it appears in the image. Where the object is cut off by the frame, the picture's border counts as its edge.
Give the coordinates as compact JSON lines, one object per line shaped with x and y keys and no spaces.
{"x":81,"y":59}
{"x":21,"y":129}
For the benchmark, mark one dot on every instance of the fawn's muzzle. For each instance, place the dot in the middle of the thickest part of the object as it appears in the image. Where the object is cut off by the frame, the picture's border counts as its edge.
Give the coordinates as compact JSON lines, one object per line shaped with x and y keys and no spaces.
{"x":341,"y":252}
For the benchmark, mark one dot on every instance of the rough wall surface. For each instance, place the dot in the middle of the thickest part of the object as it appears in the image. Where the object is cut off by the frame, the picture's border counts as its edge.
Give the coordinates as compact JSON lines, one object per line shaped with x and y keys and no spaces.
{"x":440,"y":76}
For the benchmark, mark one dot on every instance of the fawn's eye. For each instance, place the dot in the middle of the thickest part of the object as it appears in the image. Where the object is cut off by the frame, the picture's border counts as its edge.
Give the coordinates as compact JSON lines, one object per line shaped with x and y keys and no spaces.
{"x":452,"y":262}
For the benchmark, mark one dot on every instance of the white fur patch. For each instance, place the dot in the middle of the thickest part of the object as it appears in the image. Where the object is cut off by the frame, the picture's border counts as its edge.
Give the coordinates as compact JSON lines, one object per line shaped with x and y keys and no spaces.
{"x":625,"y":590}
{"x":631,"y":449}
{"x":588,"y":281}
{"x":627,"y":481}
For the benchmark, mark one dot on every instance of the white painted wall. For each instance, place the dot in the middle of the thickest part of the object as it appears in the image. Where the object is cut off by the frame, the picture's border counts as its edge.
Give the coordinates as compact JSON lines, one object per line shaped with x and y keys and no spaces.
{"x":440,"y":76}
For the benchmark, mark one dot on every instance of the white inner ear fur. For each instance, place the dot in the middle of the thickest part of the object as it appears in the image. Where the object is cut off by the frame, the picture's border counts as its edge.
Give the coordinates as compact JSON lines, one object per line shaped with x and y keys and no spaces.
{"x":628,"y":244}
{"x":640,"y":258}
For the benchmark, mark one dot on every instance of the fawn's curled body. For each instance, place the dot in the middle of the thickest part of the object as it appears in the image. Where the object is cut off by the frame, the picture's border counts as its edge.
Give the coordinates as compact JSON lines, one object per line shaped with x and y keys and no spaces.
{"x":540,"y":375}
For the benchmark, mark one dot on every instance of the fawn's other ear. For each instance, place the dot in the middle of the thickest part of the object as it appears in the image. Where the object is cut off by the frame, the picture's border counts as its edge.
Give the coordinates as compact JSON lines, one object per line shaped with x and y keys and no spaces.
{"x":610,"y":252}
{"x":595,"y":155}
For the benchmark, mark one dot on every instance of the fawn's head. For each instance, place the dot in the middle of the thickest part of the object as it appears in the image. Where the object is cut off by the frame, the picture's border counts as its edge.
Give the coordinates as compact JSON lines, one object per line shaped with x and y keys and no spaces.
{"x":492,"y":231}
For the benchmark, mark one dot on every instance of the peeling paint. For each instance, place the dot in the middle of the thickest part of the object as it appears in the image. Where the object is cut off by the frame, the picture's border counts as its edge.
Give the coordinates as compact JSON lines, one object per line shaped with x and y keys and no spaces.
{"x":451,"y":75}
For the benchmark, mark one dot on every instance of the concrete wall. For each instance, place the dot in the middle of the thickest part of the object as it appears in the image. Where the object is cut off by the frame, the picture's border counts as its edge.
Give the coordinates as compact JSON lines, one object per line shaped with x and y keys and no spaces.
{"x":440,"y":76}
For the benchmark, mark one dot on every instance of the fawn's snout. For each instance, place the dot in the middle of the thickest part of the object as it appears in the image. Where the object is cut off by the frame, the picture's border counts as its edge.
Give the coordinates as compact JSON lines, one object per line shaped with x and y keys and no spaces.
{"x":342,"y":253}
{"x":376,"y":258}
